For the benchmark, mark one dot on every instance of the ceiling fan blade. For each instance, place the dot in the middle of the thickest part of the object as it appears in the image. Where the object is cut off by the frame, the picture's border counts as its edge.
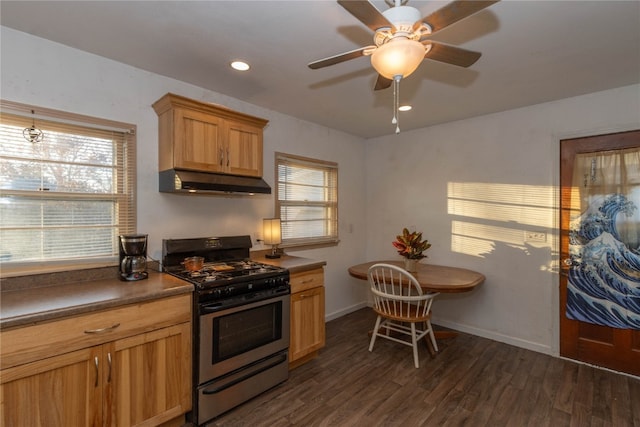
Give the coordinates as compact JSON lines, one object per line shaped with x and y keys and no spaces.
{"x":452,"y":13}
{"x":451,"y":54}
{"x":336,"y":59}
{"x":382,"y":83}
{"x":367,"y":14}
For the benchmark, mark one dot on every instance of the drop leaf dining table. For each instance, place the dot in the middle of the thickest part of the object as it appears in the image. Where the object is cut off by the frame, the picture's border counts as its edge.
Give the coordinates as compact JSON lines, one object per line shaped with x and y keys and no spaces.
{"x":432,"y":278}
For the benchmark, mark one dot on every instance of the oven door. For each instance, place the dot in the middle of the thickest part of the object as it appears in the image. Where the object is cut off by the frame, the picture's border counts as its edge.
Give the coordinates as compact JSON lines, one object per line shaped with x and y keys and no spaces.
{"x":235,"y":337}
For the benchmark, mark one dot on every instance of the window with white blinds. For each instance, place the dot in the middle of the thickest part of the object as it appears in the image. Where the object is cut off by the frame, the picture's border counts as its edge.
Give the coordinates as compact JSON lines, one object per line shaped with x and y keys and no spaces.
{"x":65,"y":199}
{"x":307,"y":200}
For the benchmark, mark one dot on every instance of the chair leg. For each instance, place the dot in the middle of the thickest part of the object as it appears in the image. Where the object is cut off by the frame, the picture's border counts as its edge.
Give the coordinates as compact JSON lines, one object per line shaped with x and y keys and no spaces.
{"x":432,"y":336}
{"x":414,"y":342}
{"x":375,"y":333}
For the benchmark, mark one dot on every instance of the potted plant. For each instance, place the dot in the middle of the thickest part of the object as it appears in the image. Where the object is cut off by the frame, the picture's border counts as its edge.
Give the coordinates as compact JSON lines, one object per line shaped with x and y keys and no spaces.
{"x":411,"y":246}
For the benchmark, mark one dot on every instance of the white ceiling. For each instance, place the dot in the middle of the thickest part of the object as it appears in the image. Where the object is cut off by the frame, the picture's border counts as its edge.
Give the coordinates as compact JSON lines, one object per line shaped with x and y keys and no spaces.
{"x":533,"y":52}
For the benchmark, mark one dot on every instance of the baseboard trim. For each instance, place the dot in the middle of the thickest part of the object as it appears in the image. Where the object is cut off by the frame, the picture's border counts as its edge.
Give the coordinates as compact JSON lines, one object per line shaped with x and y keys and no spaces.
{"x":529,"y":345}
{"x":344,"y":311}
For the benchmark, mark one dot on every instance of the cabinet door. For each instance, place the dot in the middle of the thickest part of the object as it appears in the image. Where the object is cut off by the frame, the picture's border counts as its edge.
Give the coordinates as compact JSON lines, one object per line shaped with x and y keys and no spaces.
{"x":244,"y":149}
{"x":307,"y":322}
{"x":198,"y":142}
{"x":63,"y":391}
{"x":151,"y":377}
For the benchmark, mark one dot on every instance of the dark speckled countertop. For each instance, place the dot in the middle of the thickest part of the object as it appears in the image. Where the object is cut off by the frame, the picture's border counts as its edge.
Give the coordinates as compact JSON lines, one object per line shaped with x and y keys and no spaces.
{"x":30,"y":299}
{"x":24,"y":305}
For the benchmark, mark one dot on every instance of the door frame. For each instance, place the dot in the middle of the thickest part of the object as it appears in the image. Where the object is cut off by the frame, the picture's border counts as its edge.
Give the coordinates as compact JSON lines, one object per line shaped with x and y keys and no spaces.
{"x":554,"y":151}
{"x":595,"y":144}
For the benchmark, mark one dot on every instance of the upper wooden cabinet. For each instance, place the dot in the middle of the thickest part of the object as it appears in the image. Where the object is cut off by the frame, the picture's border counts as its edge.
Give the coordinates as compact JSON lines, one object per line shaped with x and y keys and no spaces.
{"x":205,"y":137}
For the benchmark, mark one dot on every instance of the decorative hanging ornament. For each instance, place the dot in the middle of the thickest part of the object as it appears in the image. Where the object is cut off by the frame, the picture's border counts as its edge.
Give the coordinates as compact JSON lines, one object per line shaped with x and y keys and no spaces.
{"x":33,"y":134}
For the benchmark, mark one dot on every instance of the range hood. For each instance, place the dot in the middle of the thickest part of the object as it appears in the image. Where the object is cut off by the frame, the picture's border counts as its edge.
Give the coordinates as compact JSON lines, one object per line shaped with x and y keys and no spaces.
{"x":182,"y":181}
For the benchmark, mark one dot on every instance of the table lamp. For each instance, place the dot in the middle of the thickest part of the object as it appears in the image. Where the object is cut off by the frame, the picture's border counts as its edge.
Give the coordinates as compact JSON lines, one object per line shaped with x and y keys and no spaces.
{"x":272,"y":235}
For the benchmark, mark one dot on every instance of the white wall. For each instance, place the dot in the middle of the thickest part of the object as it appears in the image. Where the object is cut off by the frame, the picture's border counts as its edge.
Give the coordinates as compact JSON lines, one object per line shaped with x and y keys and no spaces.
{"x":474,"y":187}
{"x":39,"y":72}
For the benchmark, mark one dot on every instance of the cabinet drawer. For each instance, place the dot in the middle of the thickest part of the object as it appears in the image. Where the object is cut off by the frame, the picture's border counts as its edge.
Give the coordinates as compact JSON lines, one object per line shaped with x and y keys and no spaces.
{"x":306,"y":280}
{"x":29,"y":343}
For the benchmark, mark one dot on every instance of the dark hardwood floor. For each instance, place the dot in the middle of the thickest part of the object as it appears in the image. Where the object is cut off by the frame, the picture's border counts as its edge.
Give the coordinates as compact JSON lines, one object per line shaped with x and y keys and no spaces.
{"x":472,"y":381}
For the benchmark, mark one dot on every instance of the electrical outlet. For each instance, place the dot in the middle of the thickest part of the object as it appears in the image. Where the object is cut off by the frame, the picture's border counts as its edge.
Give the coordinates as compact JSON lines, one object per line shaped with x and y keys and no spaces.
{"x":535,"y":236}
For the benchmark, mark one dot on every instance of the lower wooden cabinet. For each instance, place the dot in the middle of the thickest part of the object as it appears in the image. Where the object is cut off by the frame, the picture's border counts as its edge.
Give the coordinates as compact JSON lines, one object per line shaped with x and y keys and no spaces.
{"x":307,"y":316}
{"x":65,"y":390}
{"x":150,"y":372}
{"x":142,"y":379}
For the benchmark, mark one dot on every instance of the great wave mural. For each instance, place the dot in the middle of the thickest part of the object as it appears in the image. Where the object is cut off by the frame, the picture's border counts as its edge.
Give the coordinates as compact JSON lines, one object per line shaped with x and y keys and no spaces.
{"x":604,"y":279}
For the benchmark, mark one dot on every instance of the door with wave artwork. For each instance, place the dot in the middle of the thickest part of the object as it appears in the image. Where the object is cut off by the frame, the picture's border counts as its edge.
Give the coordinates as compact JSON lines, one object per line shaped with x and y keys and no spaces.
{"x":600,"y":250}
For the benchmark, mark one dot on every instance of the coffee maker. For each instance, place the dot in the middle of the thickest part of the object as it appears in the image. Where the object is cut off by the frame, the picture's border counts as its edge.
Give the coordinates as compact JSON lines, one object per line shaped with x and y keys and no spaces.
{"x":133,"y":257}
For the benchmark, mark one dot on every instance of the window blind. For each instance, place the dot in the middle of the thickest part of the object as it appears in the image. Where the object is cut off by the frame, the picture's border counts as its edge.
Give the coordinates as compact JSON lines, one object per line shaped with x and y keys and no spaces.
{"x":307,"y":200}
{"x":68,"y":197}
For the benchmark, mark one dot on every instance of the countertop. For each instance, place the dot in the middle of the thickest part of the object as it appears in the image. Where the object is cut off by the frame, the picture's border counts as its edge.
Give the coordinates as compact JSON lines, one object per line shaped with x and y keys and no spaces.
{"x":294,"y":264}
{"x":20,"y":307}
{"x":29,"y":300}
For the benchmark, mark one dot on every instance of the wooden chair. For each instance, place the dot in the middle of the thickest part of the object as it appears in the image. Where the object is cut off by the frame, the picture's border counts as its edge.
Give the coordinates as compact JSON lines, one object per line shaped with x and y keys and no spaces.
{"x":400,"y":304}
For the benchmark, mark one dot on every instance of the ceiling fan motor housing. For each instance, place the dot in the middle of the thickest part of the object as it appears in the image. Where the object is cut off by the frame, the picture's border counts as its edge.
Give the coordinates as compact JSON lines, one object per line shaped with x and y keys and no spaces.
{"x":403,"y":18}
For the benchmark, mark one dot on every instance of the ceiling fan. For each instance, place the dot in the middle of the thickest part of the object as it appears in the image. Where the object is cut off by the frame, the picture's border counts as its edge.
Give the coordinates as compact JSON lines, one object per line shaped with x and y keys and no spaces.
{"x":402,"y":39}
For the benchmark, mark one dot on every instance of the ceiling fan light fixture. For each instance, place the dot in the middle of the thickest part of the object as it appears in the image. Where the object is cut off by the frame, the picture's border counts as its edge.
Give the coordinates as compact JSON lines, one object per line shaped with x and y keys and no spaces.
{"x":398,"y":57}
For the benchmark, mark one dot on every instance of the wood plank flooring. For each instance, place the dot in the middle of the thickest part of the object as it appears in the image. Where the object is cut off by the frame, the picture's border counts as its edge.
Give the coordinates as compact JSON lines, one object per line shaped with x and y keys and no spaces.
{"x":472,"y":381}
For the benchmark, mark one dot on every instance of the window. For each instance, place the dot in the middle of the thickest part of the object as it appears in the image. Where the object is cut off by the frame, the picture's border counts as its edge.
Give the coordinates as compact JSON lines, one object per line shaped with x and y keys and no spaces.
{"x":64,"y":200}
{"x":307,"y":200}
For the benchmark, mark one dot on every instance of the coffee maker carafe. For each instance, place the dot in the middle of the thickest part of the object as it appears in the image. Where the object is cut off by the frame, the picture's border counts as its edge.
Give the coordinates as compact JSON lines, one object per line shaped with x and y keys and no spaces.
{"x":133,"y":257}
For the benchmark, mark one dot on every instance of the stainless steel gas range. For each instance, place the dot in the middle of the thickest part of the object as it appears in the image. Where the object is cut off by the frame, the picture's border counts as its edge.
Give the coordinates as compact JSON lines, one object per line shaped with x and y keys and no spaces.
{"x":240,"y":321}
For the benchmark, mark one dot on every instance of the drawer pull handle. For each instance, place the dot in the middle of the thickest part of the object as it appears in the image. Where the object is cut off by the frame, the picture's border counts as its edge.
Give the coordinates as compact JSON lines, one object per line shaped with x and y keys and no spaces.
{"x":95,"y":360}
{"x":102,"y":330}
{"x":307,"y":281}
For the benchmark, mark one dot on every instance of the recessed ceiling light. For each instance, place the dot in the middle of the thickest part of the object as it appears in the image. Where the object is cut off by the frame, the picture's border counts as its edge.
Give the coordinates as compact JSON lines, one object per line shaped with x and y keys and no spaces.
{"x":240,"y":65}
{"x":405,"y":108}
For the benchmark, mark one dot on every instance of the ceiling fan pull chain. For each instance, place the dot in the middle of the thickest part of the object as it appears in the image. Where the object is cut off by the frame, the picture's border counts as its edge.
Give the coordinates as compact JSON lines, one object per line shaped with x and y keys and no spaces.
{"x":396,"y":102}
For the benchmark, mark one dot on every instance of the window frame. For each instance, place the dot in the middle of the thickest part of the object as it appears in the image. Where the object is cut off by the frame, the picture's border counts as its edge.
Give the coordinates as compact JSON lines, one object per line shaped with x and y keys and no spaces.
{"x":124,"y":193}
{"x":305,"y":242}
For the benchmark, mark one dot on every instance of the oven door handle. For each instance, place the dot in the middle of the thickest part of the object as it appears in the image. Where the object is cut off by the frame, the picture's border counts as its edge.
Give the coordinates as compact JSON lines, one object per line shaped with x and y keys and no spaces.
{"x":279,"y":360}
{"x":211,"y":308}
{"x":215,"y":307}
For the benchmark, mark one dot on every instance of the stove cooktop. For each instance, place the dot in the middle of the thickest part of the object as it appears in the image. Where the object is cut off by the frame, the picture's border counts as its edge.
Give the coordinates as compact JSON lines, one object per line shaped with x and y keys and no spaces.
{"x":223,"y":273}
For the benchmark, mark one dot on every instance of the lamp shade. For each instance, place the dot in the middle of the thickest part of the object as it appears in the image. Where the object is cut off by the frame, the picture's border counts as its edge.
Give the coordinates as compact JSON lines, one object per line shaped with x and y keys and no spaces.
{"x":397,"y":57}
{"x":272,"y":231}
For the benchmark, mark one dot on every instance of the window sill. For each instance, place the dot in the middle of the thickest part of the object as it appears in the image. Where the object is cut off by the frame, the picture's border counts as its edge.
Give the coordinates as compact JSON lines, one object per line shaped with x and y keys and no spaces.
{"x":307,"y":246}
{"x":7,"y":271}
